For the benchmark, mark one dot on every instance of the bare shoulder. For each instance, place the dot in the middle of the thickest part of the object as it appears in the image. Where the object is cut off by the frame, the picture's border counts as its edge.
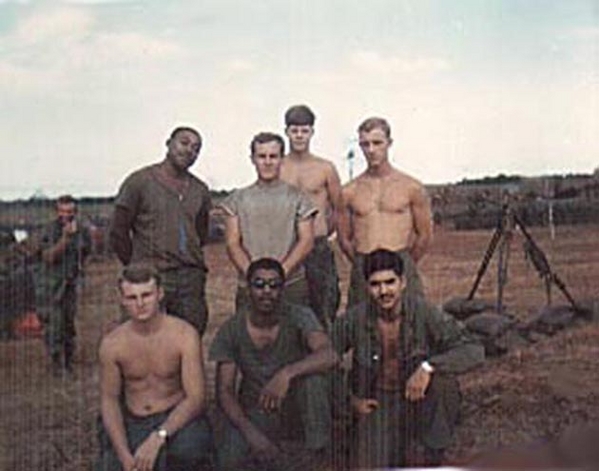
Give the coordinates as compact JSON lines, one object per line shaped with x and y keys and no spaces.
{"x":323,"y":163}
{"x":353,"y":185}
{"x":408,"y":182}
{"x":179,"y":330}
{"x":114,"y":341}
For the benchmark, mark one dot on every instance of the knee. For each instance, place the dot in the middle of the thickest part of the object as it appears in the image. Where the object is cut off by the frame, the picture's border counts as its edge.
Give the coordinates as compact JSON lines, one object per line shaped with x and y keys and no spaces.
{"x":192,"y":444}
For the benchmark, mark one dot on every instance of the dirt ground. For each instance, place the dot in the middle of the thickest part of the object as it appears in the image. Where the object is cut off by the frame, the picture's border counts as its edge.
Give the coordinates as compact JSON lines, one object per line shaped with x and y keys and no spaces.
{"x":530,"y":394}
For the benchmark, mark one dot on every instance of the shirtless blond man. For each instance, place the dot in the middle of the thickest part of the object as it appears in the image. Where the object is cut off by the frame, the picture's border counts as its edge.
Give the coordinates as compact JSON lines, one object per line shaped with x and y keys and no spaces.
{"x":152,"y":385}
{"x":383,"y":208}
{"x":318,"y":178}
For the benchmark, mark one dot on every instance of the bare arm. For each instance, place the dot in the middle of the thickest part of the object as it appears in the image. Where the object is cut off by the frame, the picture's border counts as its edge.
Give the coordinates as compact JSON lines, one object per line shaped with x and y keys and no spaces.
{"x":112,"y":416}
{"x":422,"y":217}
{"x":192,"y":379}
{"x":226,"y":373}
{"x":302,"y":247}
{"x":202,"y":222}
{"x":321,"y":359}
{"x":120,"y":233}
{"x":344,"y":226}
{"x":334,"y":193}
{"x":235,"y":249}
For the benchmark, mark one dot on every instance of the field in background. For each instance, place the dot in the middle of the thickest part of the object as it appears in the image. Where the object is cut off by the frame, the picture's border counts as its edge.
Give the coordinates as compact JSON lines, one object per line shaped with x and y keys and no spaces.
{"x":529,"y":394}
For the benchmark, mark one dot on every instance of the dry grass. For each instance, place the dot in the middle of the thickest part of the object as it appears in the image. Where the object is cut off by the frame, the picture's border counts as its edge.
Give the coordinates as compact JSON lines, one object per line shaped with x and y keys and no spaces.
{"x":536,"y":392}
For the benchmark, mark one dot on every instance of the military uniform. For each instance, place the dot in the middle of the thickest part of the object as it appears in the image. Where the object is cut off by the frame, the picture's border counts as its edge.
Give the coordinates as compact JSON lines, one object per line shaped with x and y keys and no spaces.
{"x":425,"y":334}
{"x":56,"y":290}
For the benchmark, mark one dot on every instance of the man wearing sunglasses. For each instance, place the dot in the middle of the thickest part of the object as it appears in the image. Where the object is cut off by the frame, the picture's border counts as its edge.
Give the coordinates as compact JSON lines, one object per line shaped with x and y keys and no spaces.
{"x":282,"y":353}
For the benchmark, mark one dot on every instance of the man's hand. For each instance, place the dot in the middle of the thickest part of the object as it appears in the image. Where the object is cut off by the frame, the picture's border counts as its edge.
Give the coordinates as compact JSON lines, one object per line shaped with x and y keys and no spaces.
{"x":128,"y":462}
{"x":363,"y":407}
{"x":69,"y":228}
{"x":146,"y":453}
{"x":262,"y":448}
{"x":275,"y":391}
{"x":417,"y":385}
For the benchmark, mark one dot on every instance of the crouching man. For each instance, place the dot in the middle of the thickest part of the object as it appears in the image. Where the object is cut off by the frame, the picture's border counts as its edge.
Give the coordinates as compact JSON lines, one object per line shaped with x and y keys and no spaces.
{"x":152,"y":385}
{"x":402,"y":386}
{"x":281,"y":352}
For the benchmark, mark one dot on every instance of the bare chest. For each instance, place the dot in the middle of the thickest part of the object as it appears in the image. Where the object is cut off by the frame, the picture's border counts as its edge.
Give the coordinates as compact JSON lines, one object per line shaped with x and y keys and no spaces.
{"x":380,"y":197}
{"x":263,"y":337}
{"x":389,"y":336}
{"x":151,"y":360}
{"x":308,"y":178}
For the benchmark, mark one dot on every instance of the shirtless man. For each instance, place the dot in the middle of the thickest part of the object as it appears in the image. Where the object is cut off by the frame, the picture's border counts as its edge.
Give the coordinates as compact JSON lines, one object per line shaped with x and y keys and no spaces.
{"x":270,"y":218}
{"x":152,"y":385}
{"x":383,"y":208}
{"x":402,"y":382}
{"x":319,"y":179}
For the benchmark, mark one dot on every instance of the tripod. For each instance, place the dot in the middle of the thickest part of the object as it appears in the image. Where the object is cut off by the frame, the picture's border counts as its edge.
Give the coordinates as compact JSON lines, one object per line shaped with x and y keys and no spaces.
{"x":507,"y":222}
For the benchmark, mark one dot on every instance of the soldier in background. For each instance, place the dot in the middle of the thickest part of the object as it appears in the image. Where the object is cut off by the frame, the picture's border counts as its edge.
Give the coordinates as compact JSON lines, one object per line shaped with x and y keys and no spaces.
{"x":62,"y":247}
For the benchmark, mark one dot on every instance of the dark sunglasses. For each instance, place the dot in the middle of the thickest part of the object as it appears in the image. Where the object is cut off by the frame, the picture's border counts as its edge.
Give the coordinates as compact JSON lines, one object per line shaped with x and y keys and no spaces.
{"x":261,"y":283}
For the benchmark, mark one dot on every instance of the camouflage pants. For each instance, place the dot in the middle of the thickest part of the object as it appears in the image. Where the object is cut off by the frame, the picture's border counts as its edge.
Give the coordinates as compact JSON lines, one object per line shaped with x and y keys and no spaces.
{"x":185,"y":296}
{"x":357,"y":292}
{"x":58,"y":318}
{"x":305,"y":416}
{"x":383,"y":435}
{"x":323,"y":281}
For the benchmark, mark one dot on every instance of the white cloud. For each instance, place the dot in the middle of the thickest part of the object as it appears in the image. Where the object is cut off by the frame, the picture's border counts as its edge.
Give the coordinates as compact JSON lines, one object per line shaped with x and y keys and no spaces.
{"x":239,"y":65}
{"x":47,"y":25}
{"x":64,"y":48}
{"x":373,"y":62}
{"x":588,"y":33}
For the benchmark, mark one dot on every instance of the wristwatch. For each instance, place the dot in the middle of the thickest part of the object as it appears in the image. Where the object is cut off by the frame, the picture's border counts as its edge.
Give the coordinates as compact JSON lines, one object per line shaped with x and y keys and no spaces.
{"x":426,"y":366}
{"x":162,"y":433}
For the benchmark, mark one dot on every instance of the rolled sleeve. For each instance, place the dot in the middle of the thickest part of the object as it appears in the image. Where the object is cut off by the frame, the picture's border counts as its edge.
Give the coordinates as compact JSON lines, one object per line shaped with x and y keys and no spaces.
{"x":222,"y":348}
{"x":305,"y":208}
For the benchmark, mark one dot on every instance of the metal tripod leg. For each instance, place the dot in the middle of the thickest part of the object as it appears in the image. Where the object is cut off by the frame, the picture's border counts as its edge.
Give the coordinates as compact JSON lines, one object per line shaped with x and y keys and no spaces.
{"x":486,"y":259}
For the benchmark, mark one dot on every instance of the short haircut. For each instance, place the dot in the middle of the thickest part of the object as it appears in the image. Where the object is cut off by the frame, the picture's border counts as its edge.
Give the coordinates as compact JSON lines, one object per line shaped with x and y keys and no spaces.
{"x":179,"y":129}
{"x":382,"y":259}
{"x":66,"y":199}
{"x":140,"y":273}
{"x":375,"y":123}
{"x":264,"y":137}
{"x":299,"y":115}
{"x":265,"y":264}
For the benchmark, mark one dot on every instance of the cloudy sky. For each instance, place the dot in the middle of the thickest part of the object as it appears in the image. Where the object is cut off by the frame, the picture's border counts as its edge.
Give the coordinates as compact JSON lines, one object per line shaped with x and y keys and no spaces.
{"x":89,"y":90}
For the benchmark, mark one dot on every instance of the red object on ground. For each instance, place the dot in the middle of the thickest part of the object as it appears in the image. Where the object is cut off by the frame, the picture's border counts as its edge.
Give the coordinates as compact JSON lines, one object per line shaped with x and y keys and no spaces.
{"x":28,"y":325}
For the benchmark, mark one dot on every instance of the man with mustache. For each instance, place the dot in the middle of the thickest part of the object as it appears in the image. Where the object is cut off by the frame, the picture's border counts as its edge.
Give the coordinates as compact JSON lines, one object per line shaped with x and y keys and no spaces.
{"x":161,"y":217}
{"x":405,"y":357}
